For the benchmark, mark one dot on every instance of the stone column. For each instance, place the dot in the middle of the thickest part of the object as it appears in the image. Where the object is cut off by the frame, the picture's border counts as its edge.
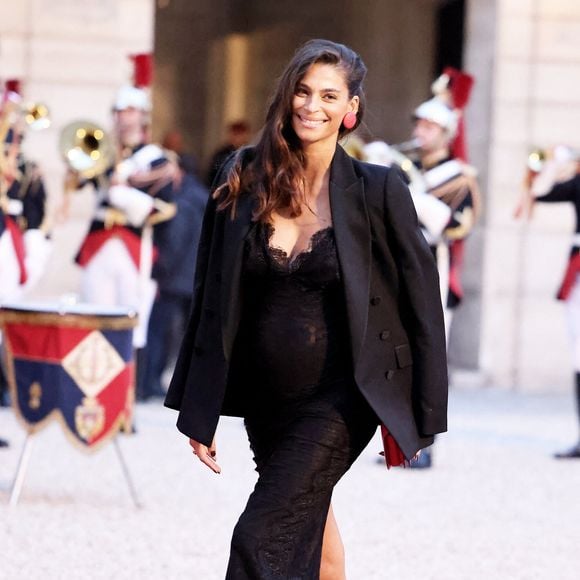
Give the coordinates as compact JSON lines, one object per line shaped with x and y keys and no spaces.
{"x":479,"y":59}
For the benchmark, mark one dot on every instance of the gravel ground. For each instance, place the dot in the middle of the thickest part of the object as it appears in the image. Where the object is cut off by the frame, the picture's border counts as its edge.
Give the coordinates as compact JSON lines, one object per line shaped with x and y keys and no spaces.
{"x":495,"y":505}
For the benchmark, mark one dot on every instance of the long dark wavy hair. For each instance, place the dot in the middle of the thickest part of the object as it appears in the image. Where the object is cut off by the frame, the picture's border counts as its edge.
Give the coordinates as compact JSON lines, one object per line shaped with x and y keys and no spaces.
{"x":275,"y":174}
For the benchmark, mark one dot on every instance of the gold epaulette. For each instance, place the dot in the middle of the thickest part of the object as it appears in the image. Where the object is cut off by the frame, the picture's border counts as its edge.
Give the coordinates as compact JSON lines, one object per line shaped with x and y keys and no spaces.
{"x":466,"y":221}
{"x":164,"y":211}
{"x":114,"y":217}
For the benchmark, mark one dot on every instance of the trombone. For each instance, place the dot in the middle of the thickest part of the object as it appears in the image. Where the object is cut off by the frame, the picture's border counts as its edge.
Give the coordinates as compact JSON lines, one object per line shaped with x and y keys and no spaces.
{"x":563,"y":154}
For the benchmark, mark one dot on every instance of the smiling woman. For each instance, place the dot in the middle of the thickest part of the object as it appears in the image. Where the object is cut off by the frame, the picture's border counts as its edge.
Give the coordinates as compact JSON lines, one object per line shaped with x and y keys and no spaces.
{"x":316,"y":317}
{"x":320,"y":105}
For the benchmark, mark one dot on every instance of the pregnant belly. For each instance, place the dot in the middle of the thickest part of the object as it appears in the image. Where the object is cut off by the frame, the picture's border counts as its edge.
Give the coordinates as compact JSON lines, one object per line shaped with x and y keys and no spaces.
{"x":295,"y":357}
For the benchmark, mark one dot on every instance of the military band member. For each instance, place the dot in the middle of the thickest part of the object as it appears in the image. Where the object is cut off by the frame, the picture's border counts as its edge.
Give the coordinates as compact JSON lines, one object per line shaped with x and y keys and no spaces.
{"x":132,"y":197}
{"x":27,"y":203}
{"x":453,"y":182}
{"x":441,"y":151}
{"x":24,"y":195}
{"x":559,"y":182}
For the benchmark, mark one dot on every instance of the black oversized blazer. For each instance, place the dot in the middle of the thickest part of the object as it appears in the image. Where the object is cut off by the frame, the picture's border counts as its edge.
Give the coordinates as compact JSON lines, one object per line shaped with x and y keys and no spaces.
{"x":391,"y":290}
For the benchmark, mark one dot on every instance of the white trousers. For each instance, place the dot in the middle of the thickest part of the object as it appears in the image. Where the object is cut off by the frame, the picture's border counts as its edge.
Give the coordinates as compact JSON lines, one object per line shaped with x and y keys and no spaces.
{"x":112,"y":279}
{"x":442,"y":254}
{"x":10,"y":288}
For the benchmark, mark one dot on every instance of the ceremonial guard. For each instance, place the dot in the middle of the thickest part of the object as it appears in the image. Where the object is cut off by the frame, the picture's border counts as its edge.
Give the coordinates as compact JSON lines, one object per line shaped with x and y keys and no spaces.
{"x":556,"y":180}
{"x":443,"y":186}
{"x":27,"y":197}
{"x":134,"y":193}
{"x":24,"y":243}
{"x":439,"y":138}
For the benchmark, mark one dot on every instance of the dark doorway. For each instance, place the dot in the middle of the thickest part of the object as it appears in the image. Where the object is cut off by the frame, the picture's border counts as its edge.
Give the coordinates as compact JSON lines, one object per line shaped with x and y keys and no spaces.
{"x":450,"y":35}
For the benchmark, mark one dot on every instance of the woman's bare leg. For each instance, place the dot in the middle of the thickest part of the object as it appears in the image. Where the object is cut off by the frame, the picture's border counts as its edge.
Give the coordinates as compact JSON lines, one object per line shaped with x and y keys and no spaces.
{"x":332,"y":565}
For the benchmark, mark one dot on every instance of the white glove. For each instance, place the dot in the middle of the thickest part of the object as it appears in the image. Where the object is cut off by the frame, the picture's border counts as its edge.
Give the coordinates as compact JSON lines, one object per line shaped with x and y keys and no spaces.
{"x":140,"y":161}
{"x":135,"y":204}
{"x":433,"y":214}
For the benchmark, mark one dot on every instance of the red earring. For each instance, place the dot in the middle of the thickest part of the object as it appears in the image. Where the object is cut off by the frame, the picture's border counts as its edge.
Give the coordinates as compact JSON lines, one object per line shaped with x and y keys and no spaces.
{"x":349,"y":120}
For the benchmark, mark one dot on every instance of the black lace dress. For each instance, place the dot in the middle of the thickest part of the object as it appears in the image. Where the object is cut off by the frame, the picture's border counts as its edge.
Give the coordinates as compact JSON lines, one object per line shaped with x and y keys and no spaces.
{"x":306,"y":420}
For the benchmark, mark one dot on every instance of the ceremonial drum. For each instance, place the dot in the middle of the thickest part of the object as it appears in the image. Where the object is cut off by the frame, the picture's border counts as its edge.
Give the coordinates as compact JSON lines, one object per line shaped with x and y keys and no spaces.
{"x":73,"y":363}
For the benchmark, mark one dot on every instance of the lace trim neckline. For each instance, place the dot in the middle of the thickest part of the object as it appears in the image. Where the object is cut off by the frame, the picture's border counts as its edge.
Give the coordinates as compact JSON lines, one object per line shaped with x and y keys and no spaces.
{"x":281,"y":256}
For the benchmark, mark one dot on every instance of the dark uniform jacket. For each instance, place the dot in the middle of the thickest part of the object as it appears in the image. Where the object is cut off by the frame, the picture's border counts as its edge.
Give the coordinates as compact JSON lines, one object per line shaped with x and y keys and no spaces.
{"x":567,"y":191}
{"x":391,"y":291}
{"x":29,"y":190}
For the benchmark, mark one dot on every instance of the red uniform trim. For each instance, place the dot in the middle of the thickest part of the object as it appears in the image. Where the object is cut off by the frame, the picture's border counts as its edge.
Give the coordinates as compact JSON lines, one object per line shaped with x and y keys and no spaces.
{"x":456,"y":254}
{"x":95,"y":241}
{"x":572,"y":270}
{"x":18,"y":243}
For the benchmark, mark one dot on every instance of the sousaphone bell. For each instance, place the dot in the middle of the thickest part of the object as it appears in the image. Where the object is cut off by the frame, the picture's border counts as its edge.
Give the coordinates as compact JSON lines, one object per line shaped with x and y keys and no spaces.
{"x":86,"y":148}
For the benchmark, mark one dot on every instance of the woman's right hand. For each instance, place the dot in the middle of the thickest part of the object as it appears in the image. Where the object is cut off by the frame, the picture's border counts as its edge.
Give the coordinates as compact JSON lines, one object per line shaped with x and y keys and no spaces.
{"x":206,"y":454}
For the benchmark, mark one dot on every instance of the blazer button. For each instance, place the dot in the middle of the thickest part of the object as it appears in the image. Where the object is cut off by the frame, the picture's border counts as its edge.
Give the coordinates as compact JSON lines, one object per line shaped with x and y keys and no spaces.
{"x":375,"y":300}
{"x":218,"y":277}
{"x":198,"y":350}
{"x":385,"y":335}
{"x":210,"y":313}
{"x":389,"y":375}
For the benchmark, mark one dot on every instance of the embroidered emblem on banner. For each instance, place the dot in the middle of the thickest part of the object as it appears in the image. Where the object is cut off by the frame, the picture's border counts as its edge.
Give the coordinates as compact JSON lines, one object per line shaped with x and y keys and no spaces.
{"x":35,"y":393}
{"x":89,"y":418}
{"x":93,"y":363}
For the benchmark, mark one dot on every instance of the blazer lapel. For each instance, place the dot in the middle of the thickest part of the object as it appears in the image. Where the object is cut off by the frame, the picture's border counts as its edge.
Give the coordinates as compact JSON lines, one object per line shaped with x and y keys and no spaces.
{"x":235,"y":232}
{"x":353,"y":240}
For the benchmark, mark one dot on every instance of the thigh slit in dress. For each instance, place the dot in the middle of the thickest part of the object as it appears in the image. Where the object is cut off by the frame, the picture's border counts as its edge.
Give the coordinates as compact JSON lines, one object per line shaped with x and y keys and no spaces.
{"x":306,"y":420}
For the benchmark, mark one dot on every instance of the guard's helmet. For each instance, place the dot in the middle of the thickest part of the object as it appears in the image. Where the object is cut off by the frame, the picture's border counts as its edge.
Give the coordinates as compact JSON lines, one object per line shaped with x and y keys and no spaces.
{"x":132,"y":97}
{"x":436,"y":111}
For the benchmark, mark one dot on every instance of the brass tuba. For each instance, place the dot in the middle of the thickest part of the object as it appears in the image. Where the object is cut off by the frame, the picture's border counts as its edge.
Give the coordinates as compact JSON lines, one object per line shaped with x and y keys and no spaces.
{"x":86,"y":148}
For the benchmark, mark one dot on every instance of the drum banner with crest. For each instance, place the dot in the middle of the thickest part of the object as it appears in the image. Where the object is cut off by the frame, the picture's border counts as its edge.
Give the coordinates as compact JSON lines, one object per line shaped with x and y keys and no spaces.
{"x":75,"y":366}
